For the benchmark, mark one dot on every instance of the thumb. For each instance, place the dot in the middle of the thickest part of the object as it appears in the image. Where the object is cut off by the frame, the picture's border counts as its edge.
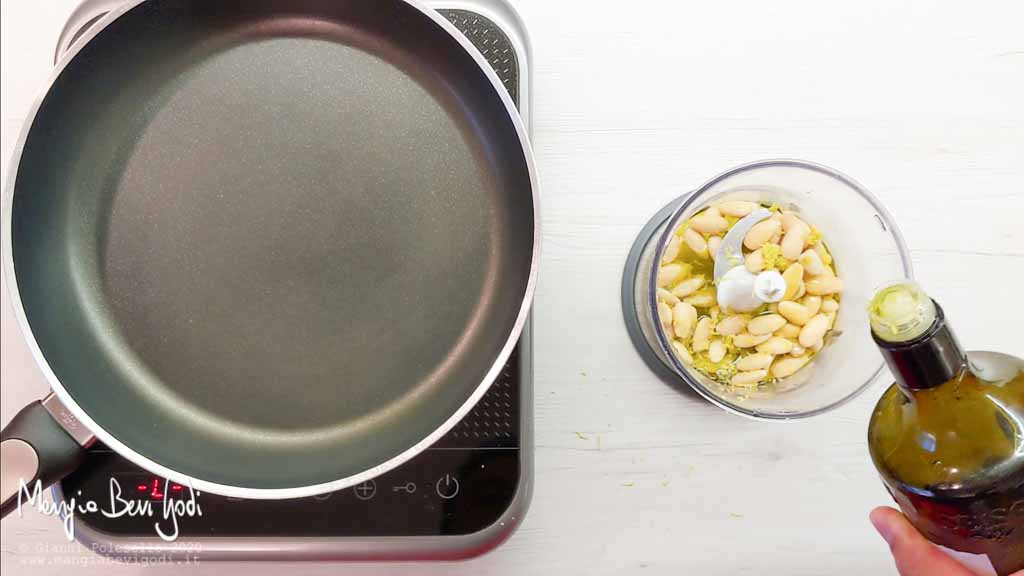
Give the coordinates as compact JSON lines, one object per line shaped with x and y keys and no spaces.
{"x":914,"y":555}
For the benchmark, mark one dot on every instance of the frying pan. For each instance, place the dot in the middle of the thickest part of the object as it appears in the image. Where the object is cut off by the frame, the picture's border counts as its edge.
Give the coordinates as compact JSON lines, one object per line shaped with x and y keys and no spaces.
{"x":265,"y":248}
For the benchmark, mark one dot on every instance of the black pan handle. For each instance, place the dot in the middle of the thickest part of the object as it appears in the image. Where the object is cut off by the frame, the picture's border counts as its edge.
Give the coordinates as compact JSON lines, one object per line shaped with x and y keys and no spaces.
{"x":43,"y":443}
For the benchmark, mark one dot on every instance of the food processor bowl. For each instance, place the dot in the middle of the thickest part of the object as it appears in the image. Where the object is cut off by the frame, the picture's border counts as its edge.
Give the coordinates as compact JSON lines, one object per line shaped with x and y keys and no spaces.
{"x":867,"y":249}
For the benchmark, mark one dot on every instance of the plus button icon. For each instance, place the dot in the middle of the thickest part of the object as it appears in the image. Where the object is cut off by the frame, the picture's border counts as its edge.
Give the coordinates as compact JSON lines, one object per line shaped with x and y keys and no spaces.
{"x":366,"y":490}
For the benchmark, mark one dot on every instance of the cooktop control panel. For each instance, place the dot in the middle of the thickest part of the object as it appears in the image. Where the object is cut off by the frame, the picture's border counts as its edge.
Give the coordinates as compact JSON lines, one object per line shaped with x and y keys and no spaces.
{"x":461,"y":485}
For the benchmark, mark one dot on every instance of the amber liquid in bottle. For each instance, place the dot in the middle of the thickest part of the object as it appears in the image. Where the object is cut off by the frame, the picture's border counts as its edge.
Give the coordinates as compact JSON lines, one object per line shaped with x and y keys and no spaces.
{"x":948,"y":436}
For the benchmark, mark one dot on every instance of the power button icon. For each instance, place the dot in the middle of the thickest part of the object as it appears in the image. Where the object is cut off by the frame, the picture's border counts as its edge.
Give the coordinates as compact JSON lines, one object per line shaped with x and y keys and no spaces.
{"x":447,"y":487}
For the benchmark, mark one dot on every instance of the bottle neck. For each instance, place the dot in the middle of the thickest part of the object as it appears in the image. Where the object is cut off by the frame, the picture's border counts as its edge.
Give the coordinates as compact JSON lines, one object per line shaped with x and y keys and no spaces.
{"x":927,"y":361}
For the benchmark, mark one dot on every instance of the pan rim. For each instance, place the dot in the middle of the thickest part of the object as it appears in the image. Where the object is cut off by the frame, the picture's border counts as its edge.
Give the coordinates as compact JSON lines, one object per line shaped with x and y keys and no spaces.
{"x":100,"y":433}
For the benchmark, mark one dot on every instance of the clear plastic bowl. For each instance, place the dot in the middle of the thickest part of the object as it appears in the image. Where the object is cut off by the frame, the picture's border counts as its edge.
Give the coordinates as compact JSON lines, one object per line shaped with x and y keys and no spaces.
{"x":867,"y":249}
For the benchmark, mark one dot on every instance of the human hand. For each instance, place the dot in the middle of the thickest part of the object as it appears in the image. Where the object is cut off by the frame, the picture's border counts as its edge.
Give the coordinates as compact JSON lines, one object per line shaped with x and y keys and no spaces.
{"x":914,"y":554}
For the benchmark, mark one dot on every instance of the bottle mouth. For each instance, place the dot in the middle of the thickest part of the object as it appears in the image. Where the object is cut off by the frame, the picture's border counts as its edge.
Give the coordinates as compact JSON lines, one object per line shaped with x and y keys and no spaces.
{"x":900,"y":312}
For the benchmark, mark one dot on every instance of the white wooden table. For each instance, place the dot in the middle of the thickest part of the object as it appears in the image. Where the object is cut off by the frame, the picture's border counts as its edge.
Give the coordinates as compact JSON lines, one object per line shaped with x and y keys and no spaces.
{"x":923,"y":102}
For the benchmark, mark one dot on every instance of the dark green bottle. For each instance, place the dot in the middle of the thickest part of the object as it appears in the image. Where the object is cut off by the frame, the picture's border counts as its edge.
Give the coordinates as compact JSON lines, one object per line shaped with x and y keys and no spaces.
{"x":948,"y":436}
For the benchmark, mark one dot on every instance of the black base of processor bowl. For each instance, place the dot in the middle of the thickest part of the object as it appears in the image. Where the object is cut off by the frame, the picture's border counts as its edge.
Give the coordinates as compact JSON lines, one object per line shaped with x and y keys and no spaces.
{"x":629,"y":301}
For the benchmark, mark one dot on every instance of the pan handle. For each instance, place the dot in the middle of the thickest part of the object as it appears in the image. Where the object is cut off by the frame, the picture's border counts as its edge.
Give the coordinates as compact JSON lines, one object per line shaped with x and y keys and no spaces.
{"x":84,"y":16}
{"x":43,"y":443}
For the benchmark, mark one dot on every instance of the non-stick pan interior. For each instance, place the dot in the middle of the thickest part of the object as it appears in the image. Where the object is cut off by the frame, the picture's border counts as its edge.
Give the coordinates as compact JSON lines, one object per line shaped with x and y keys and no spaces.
{"x":271,"y":246}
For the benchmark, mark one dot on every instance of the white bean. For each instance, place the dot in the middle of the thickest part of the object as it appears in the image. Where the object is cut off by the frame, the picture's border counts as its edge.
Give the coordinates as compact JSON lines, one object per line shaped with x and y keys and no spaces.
{"x":818,"y":346}
{"x":778,"y":233}
{"x":668,"y":275}
{"x":702,"y":299}
{"x":793,"y":242}
{"x":696,"y":242}
{"x":796,"y":313}
{"x":667,"y":297}
{"x":754,"y":362}
{"x":737,"y":208}
{"x":682,"y":352}
{"x":797,"y":351}
{"x":751,"y":378}
{"x":714,"y":243}
{"x":761,"y":233}
{"x":794,"y":277}
{"x":709,"y":221}
{"x":785,"y":367}
{"x":790,"y":219}
{"x":716,"y":351}
{"x":748,"y":340}
{"x":732,"y":325}
{"x":813,"y":331}
{"x":672,"y":249}
{"x":665,"y":315}
{"x":688,"y":286}
{"x":829,"y":305}
{"x":765,"y":324}
{"x":775,"y":346}
{"x":684,"y":316}
{"x":822,"y":285}
{"x":812,"y":263}
{"x":790,"y":331}
{"x":812,"y":303}
{"x":754,"y":261}
{"x":701,"y":335}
